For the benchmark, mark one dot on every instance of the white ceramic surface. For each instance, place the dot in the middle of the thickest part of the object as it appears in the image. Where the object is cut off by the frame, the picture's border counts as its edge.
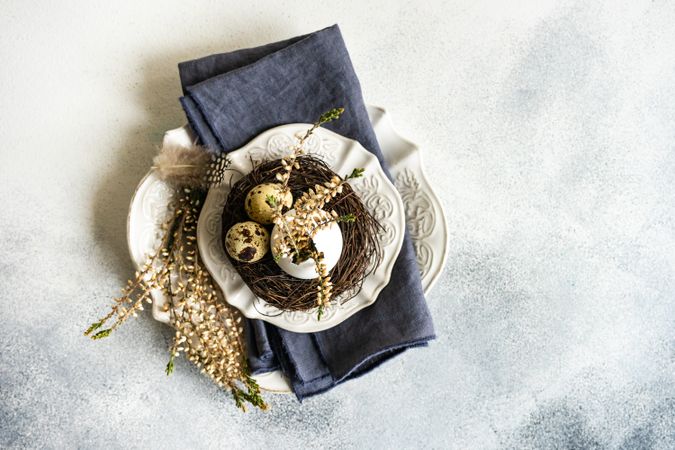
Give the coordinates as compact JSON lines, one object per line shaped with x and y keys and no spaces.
{"x":342,"y":155}
{"x":424,"y":213}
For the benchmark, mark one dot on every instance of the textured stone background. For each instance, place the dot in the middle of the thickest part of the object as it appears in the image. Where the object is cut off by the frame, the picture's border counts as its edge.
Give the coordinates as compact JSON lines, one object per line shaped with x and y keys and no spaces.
{"x":549,"y":130}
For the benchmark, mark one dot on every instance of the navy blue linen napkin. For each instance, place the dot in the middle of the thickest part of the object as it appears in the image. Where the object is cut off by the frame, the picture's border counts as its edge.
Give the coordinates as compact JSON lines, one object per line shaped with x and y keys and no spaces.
{"x":230,"y":98}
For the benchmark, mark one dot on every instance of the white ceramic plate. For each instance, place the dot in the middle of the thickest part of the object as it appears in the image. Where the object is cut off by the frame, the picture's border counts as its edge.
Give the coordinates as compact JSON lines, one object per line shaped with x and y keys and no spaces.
{"x":426,"y":220}
{"x":375,"y":190}
{"x":424,"y":213}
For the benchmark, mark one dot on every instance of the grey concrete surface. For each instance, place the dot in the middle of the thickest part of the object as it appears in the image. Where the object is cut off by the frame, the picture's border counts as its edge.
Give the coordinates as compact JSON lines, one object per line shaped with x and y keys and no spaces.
{"x":548,"y":128}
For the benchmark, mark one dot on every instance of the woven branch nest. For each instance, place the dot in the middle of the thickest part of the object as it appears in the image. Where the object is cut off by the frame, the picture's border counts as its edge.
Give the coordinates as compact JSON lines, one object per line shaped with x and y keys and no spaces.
{"x":361,"y":251}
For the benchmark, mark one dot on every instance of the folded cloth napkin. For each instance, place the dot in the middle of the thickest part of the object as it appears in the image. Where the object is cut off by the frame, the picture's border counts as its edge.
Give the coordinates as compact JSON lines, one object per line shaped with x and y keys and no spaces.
{"x":230,"y":98}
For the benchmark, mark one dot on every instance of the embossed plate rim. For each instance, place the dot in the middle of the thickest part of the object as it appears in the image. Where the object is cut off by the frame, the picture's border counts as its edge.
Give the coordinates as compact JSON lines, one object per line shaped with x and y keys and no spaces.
{"x":348,"y":152}
{"x":413,"y":160}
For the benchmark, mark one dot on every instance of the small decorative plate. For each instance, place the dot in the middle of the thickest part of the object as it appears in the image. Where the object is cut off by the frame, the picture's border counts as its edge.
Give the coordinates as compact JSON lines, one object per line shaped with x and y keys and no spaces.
{"x":342,"y":155}
{"x":425,"y":217}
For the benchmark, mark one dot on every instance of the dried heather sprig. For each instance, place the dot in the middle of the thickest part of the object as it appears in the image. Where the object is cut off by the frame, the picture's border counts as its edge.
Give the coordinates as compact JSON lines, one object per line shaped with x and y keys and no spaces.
{"x":299,"y":229}
{"x":208,"y":332}
{"x":288,"y":162}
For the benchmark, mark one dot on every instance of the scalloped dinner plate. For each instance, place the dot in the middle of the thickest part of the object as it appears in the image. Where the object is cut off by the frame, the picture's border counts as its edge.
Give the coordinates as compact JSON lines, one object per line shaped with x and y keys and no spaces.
{"x":378,"y":194}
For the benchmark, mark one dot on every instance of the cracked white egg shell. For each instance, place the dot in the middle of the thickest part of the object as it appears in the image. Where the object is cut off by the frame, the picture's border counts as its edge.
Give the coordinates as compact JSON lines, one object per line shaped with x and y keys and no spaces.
{"x":256,"y":204}
{"x":327,"y":240}
{"x":247,"y":241}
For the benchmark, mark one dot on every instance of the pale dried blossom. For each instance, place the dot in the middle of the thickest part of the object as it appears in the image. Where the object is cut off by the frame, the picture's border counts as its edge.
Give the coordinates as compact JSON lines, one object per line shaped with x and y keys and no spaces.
{"x":208,"y":333}
{"x":299,"y":229}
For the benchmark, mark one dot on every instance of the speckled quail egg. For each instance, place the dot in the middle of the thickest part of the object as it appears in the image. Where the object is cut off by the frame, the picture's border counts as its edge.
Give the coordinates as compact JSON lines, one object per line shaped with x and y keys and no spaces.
{"x":256,"y":204}
{"x":247,"y":241}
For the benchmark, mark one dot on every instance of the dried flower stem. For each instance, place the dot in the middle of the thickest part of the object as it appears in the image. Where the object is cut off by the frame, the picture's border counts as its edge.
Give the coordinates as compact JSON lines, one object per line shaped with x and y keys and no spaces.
{"x":334,"y":219}
{"x":208,"y":332}
{"x":299,"y":229}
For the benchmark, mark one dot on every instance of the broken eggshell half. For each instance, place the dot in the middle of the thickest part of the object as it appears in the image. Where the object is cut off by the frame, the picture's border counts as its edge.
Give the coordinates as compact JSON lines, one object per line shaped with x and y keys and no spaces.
{"x":327,"y":240}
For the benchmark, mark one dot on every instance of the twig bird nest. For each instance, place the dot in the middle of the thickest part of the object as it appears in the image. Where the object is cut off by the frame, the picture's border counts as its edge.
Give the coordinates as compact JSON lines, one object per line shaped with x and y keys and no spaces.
{"x":361,"y":251}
